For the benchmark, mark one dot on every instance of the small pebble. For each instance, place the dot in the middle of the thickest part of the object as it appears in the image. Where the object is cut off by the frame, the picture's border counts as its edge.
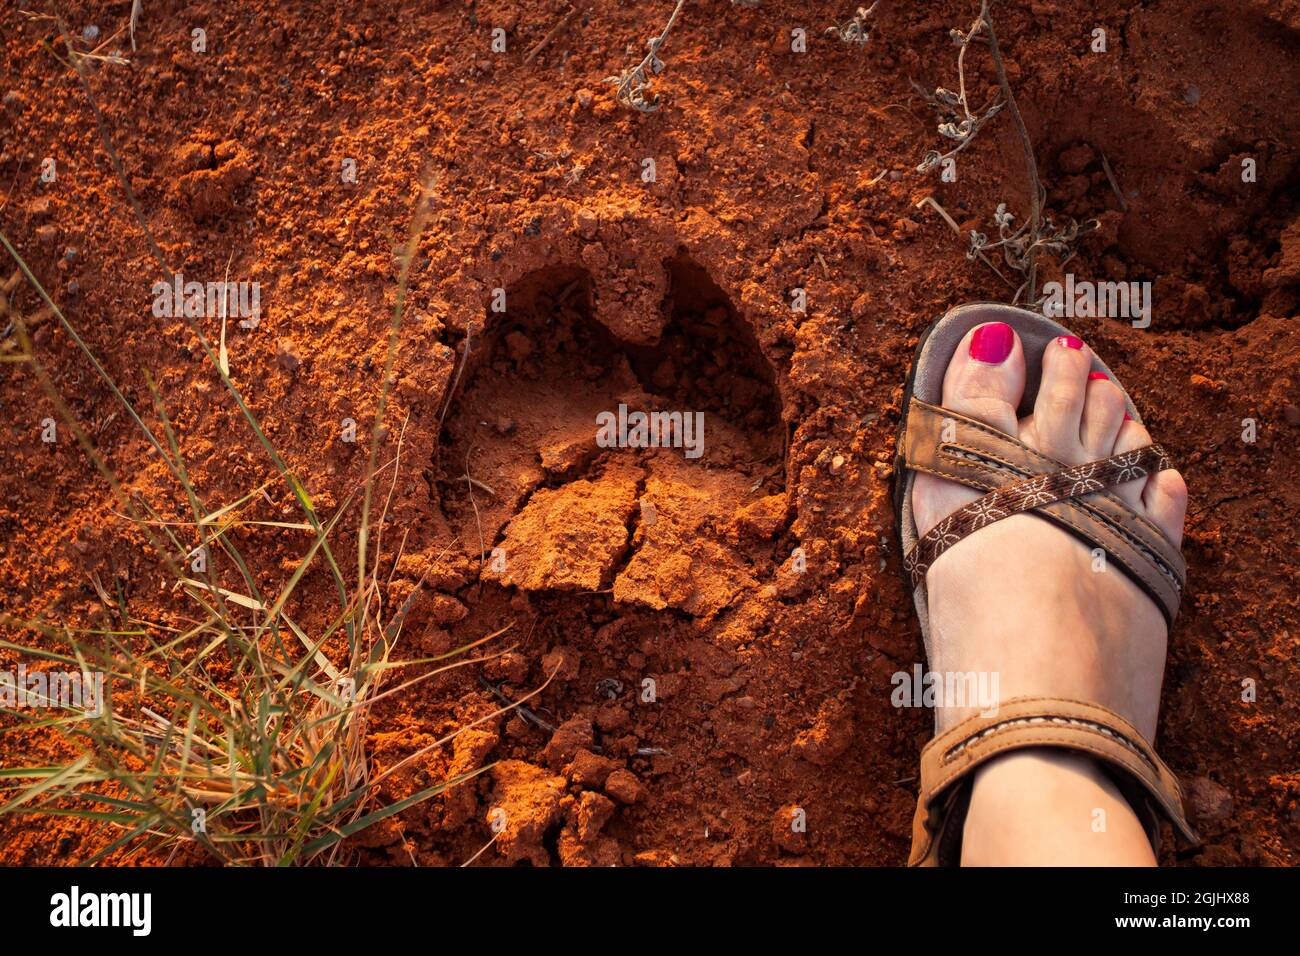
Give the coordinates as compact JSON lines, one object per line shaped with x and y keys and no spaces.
{"x":624,"y":787}
{"x":285,"y":355}
{"x":1209,"y":801}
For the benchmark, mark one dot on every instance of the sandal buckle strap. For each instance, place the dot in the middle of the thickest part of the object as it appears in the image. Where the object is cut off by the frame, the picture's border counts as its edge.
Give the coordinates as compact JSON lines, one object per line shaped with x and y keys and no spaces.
{"x":949,"y":760}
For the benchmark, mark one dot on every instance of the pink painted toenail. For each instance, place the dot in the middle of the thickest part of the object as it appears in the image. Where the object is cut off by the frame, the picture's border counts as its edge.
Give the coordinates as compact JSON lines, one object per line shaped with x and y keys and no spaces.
{"x":1098,"y":377}
{"x":992,"y":343}
{"x":1069,"y":341}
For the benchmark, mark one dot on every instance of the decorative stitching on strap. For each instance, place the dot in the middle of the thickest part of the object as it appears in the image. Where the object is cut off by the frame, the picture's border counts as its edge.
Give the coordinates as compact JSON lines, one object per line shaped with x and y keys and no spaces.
{"x":1031,"y":493}
{"x":918,"y":406}
{"x":1132,"y":540}
{"x":1077,"y":722}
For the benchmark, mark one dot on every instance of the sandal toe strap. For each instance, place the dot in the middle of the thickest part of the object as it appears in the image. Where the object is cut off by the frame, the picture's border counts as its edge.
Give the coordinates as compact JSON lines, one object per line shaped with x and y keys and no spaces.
{"x":1017,"y":478}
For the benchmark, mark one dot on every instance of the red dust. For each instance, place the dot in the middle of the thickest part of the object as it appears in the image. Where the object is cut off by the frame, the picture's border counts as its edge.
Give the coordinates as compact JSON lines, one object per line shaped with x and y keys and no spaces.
{"x":722,"y":632}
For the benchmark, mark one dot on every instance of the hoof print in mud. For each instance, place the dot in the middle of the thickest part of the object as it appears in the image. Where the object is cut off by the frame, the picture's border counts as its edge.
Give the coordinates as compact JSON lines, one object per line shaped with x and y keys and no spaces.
{"x":575,"y":462}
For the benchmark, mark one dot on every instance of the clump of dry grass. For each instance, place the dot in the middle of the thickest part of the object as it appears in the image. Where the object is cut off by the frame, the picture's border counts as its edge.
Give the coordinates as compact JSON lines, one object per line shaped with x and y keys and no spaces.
{"x":242,"y":732}
{"x":1021,"y":244}
{"x":957,"y":122}
{"x":245,"y":716}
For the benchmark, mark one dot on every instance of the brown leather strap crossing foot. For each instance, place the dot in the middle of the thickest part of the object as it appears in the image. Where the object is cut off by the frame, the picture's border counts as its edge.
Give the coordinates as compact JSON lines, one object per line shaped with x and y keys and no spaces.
{"x":1079,"y":498}
{"x":1031,"y":493}
{"x":948,"y":763}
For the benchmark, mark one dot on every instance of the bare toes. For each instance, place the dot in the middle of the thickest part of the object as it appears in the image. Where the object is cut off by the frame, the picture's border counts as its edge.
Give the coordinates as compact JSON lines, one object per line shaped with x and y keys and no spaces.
{"x":984,"y":381}
{"x":1058,"y":409}
{"x":1165,"y":498}
{"x":1131,"y":437}
{"x":986,"y":376}
{"x":1103,"y":414}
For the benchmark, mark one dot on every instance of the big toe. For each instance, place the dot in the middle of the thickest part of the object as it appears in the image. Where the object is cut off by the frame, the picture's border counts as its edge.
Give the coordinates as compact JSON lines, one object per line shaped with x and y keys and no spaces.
{"x":986,"y":376}
{"x":984,"y":381}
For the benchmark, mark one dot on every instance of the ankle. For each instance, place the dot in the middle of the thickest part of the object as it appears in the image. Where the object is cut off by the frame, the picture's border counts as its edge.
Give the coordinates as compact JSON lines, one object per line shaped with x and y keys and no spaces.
{"x":1044,"y":807}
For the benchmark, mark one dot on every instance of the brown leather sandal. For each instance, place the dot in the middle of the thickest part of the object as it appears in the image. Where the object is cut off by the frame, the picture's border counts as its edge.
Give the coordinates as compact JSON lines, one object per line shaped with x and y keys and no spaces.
{"x":1016,"y":479}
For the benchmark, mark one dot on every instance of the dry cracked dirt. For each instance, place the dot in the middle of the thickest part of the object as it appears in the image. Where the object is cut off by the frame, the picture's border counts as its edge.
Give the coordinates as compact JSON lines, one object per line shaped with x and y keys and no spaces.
{"x":720,"y":633}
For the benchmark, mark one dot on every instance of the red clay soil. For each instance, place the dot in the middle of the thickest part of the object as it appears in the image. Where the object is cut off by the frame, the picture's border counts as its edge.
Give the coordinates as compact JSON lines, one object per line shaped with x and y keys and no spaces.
{"x":771,"y":687}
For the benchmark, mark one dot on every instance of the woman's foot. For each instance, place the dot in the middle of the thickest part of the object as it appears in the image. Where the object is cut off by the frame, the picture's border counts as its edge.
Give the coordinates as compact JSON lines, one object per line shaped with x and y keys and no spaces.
{"x":1026,"y":601}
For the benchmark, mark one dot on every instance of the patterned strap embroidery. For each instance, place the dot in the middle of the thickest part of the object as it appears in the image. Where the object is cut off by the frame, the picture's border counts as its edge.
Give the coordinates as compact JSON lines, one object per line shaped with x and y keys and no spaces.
{"x":1028,"y":494}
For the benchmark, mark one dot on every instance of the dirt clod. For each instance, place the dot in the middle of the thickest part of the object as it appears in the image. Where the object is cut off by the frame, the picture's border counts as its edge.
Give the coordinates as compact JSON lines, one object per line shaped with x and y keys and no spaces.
{"x":1210,"y":801}
{"x":525,"y":804}
{"x":570,"y":737}
{"x":624,"y":787}
{"x":829,"y":736}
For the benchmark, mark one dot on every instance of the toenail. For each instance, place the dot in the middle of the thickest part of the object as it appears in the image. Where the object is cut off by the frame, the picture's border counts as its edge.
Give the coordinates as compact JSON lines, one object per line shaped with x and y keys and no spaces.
{"x":992,"y":343}
{"x":1128,"y":417}
{"x":1069,"y":341}
{"x":1098,"y":377}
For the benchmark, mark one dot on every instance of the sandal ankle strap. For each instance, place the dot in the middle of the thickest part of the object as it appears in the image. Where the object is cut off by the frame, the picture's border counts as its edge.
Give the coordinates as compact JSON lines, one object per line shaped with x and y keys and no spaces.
{"x":948,"y":762}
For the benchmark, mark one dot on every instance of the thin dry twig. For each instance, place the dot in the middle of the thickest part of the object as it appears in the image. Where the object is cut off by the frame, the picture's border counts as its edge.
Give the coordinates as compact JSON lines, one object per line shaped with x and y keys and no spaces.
{"x":856,"y":31}
{"x":135,"y":18}
{"x":481,"y":850}
{"x":634,"y":84}
{"x":956,"y":120}
{"x":74,"y":55}
{"x":930,"y":201}
{"x":474,"y":482}
{"x":1037,"y":195}
{"x":551,"y":35}
{"x":1114,"y":183}
{"x":979,"y":254}
{"x":455,"y":380}
{"x":477,"y":520}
